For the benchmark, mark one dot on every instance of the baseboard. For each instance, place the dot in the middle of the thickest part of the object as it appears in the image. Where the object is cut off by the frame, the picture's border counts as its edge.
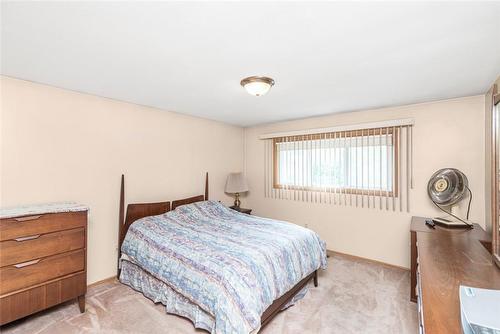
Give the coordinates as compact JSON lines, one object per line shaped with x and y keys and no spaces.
{"x":106,"y":280}
{"x":364,"y":259}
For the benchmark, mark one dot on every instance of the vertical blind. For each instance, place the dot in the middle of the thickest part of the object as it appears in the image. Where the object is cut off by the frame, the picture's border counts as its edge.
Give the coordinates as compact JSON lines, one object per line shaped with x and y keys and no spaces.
{"x":370,"y":167}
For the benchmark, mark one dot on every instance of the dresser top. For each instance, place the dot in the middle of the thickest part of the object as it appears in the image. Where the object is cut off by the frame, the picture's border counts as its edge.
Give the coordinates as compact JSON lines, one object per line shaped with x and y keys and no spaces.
{"x":448,"y":258}
{"x":38,"y":209}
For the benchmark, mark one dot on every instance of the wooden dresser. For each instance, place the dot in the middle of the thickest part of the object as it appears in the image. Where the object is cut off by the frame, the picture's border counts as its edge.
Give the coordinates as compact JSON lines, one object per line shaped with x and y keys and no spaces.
{"x":42,"y":258}
{"x":442,"y":259}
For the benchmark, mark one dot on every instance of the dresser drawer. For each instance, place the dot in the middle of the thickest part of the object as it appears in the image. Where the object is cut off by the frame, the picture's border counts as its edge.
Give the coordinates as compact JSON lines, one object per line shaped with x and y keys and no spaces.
{"x":37,"y":246}
{"x":12,"y":228}
{"x":29,"y":301}
{"x":37,"y":271}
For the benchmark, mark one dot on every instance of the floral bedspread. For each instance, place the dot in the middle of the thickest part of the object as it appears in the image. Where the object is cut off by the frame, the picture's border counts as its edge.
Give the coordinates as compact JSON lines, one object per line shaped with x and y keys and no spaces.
{"x":230,"y":265}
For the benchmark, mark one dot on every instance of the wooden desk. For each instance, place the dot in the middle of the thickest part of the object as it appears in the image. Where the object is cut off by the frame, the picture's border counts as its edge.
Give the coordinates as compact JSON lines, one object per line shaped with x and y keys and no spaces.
{"x":441,"y":260}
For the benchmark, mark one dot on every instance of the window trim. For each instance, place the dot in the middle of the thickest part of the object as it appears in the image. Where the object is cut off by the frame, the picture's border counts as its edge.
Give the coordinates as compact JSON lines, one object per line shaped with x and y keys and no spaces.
{"x":394,"y":131}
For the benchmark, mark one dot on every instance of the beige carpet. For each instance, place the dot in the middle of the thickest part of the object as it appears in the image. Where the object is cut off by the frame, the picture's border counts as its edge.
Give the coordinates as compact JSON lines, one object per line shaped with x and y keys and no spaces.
{"x":353,"y":297}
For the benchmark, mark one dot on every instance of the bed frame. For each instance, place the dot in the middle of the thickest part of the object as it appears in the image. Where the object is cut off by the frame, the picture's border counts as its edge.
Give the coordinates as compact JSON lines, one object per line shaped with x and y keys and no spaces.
{"x":137,"y":211}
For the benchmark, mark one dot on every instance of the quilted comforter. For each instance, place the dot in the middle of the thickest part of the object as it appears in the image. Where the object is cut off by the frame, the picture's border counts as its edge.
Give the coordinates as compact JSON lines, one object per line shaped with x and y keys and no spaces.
{"x":230,"y":265}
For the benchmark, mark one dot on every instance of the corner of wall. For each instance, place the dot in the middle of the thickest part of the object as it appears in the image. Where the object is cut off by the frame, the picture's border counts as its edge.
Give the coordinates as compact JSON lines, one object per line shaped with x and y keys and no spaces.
{"x":244,"y":151}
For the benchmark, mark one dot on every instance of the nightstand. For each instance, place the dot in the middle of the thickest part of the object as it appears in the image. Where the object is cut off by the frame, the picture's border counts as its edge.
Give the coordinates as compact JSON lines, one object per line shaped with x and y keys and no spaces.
{"x":242,"y":210}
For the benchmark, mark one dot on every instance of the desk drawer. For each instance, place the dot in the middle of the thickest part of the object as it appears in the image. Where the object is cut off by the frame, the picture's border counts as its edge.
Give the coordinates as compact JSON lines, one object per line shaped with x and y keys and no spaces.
{"x":12,"y":228}
{"x":37,"y":246}
{"x":26,"y":274}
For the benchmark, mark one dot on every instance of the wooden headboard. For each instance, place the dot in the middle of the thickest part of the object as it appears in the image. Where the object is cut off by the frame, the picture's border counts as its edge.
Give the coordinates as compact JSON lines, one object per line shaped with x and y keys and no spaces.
{"x":185,"y":201}
{"x":141,"y":210}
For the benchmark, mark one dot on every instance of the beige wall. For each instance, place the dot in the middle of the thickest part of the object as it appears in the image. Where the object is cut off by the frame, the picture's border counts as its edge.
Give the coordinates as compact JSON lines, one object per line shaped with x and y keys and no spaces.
{"x":446,"y":134}
{"x":58,"y":145}
{"x":61,"y":145}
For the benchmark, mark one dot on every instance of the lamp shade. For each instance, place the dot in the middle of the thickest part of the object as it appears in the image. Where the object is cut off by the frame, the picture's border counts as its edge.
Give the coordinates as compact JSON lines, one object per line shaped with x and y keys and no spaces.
{"x":236,"y":183}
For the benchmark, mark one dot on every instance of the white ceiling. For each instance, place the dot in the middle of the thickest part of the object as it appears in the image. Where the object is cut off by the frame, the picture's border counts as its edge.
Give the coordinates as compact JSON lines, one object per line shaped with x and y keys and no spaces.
{"x":189,"y":57}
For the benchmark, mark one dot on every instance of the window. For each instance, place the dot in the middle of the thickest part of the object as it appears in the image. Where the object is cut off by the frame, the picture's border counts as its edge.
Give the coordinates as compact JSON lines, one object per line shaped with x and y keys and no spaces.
{"x":355,"y":162}
{"x":366,"y":165}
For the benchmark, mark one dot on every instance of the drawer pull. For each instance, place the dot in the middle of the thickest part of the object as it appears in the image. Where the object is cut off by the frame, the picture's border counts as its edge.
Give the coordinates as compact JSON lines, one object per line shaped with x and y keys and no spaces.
{"x":24,"y":219}
{"x":27,"y":238}
{"x":25,"y":264}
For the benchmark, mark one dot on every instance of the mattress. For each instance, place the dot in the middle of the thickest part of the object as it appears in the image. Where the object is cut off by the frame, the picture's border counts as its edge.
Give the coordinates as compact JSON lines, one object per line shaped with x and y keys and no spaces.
{"x":218,"y":267}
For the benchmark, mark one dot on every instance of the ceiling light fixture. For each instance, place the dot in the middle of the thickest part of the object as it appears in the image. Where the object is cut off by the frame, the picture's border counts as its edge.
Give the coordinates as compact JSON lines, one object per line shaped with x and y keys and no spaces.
{"x":257,"y":86}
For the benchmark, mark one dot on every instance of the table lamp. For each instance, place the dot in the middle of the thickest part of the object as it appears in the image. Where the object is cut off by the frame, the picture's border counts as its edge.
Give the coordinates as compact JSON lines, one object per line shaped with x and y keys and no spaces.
{"x":236,"y":184}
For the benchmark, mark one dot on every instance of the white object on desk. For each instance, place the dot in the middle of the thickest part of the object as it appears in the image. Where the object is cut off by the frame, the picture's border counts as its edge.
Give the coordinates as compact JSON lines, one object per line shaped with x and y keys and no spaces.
{"x":479,"y":310}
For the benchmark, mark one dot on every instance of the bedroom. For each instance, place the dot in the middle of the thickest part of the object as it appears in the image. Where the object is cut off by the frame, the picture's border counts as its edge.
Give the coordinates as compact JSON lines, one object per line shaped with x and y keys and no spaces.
{"x":355,"y":117}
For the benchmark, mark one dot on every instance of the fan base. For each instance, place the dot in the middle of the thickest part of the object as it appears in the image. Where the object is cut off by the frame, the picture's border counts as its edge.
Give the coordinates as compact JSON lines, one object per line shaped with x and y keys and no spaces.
{"x":450,"y":222}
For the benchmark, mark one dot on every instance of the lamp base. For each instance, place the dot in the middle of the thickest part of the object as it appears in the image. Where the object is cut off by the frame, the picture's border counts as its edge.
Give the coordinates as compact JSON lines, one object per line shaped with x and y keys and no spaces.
{"x":237,"y":200}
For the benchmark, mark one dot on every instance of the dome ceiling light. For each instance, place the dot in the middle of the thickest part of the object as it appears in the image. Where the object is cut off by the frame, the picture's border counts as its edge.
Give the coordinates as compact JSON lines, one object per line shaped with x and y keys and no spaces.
{"x":256,"y":85}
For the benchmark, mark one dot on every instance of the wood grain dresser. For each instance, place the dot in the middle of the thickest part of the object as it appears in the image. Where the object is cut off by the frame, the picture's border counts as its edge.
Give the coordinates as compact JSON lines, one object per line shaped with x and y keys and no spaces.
{"x":42,"y":258}
{"x":442,"y":259}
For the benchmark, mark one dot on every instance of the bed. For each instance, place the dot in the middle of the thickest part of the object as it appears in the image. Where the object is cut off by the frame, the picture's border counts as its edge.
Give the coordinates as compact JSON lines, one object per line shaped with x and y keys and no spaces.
{"x":225,"y":271}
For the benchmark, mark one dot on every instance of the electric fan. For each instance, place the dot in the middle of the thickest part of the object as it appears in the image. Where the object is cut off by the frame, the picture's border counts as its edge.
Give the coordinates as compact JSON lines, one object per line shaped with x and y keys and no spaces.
{"x":446,"y":188}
